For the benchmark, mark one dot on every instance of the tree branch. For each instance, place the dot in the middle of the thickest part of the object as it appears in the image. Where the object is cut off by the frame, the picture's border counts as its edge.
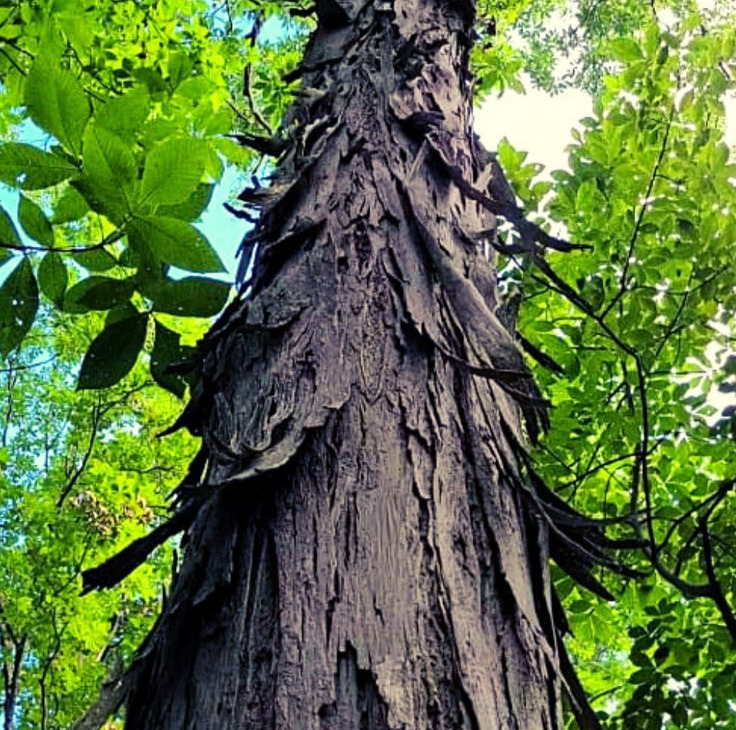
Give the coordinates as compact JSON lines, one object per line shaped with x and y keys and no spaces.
{"x":717,"y":594}
{"x":112,"y":695}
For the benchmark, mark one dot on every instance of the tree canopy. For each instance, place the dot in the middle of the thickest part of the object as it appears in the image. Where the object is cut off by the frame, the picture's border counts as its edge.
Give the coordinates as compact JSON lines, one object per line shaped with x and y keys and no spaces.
{"x":119,"y":119}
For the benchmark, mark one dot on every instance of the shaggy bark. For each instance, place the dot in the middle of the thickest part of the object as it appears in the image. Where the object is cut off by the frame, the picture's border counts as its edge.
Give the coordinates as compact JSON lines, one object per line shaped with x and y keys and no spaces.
{"x":367,"y":551}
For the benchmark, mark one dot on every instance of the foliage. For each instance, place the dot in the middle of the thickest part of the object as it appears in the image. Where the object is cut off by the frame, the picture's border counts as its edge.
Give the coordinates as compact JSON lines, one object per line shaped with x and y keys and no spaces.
{"x":134,"y":106}
{"x":641,"y":326}
{"x":102,"y":261}
{"x":563,"y":43}
{"x":131,"y":108}
{"x":82,"y":475}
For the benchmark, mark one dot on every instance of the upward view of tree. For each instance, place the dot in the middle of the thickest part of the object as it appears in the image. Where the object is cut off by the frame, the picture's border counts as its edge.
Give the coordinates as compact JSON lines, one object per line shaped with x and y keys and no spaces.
{"x":458,"y":460}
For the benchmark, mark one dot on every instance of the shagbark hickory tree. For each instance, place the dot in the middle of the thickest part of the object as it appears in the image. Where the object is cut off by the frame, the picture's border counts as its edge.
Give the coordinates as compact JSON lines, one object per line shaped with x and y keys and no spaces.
{"x":366,"y":544}
{"x":366,"y":538}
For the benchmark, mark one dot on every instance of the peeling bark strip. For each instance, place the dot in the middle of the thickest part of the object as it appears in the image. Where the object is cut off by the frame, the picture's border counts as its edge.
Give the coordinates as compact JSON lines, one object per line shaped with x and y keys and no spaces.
{"x":375,"y":562}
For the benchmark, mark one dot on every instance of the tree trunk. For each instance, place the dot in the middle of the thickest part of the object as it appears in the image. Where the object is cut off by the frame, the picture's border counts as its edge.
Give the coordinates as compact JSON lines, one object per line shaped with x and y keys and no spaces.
{"x":371,"y":558}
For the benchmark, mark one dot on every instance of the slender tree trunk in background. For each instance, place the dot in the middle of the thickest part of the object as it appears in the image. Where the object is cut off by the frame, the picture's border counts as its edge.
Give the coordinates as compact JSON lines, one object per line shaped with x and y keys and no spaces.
{"x":375,"y":561}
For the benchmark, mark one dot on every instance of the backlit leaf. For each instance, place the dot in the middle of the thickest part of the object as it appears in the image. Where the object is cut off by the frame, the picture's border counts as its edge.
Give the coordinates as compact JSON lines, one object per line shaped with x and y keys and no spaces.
{"x":53,"y":277}
{"x":34,"y":222}
{"x":625,"y":49}
{"x":95,"y":259}
{"x":57,"y":102}
{"x":173,"y":171}
{"x":124,"y":115}
{"x":71,"y":206}
{"x":191,"y":208}
{"x":110,"y":170}
{"x":27,"y":167}
{"x":8,"y":233}
{"x":175,"y":242}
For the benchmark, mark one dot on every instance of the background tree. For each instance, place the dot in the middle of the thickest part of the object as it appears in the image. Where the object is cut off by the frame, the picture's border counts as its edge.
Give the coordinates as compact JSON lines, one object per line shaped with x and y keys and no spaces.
{"x":621,"y":319}
{"x":82,"y":474}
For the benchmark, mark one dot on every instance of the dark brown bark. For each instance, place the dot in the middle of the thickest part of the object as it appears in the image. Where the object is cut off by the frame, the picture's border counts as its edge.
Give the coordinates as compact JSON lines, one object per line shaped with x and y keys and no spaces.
{"x":13,"y":650}
{"x":372,"y":557}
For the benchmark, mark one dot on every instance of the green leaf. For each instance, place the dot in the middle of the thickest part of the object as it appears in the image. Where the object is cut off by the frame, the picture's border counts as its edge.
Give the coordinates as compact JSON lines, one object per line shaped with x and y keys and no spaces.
{"x":110,"y":171}
{"x":191,"y":208}
{"x":625,"y":49}
{"x":71,"y":206}
{"x":105,"y":293}
{"x":27,"y":167}
{"x":8,"y":233}
{"x":124,"y":115}
{"x":34,"y":222}
{"x":220,"y":123}
{"x":18,"y":306}
{"x":684,"y":100}
{"x":57,"y":102}
{"x":180,"y":67}
{"x":151,"y":78}
{"x":96,"y":259}
{"x":193,"y":296}
{"x":129,"y":258}
{"x":175,"y":242}
{"x":124,"y":311}
{"x":113,"y":353}
{"x":166,"y":351}
{"x":108,"y":160}
{"x":98,"y":292}
{"x":593,"y":292}
{"x":53,"y":277}
{"x":103,"y":199}
{"x":173,"y":171}
{"x":196,"y":87}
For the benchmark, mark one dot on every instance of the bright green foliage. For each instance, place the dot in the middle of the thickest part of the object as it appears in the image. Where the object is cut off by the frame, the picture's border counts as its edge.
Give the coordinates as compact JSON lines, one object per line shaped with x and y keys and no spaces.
{"x":642,"y":326}
{"x":174,"y":242}
{"x":56,"y":101}
{"x":32,"y":169}
{"x":82,"y":474}
{"x":133,"y":99}
{"x":562,"y":43}
{"x":136,"y":105}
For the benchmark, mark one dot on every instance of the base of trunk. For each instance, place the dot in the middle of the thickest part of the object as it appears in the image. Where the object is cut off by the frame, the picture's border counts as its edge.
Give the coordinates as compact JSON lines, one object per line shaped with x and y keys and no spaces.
{"x":386,"y":579}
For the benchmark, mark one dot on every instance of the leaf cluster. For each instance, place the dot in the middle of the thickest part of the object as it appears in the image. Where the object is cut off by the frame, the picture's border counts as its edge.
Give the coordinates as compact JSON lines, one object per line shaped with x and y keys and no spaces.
{"x":81,"y":475}
{"x":132,"y":108}
{"x":641,"y":329}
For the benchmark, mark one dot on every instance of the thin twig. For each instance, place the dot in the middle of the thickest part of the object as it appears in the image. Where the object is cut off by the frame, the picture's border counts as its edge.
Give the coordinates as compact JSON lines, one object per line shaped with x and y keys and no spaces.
{"x":26,"y":248}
